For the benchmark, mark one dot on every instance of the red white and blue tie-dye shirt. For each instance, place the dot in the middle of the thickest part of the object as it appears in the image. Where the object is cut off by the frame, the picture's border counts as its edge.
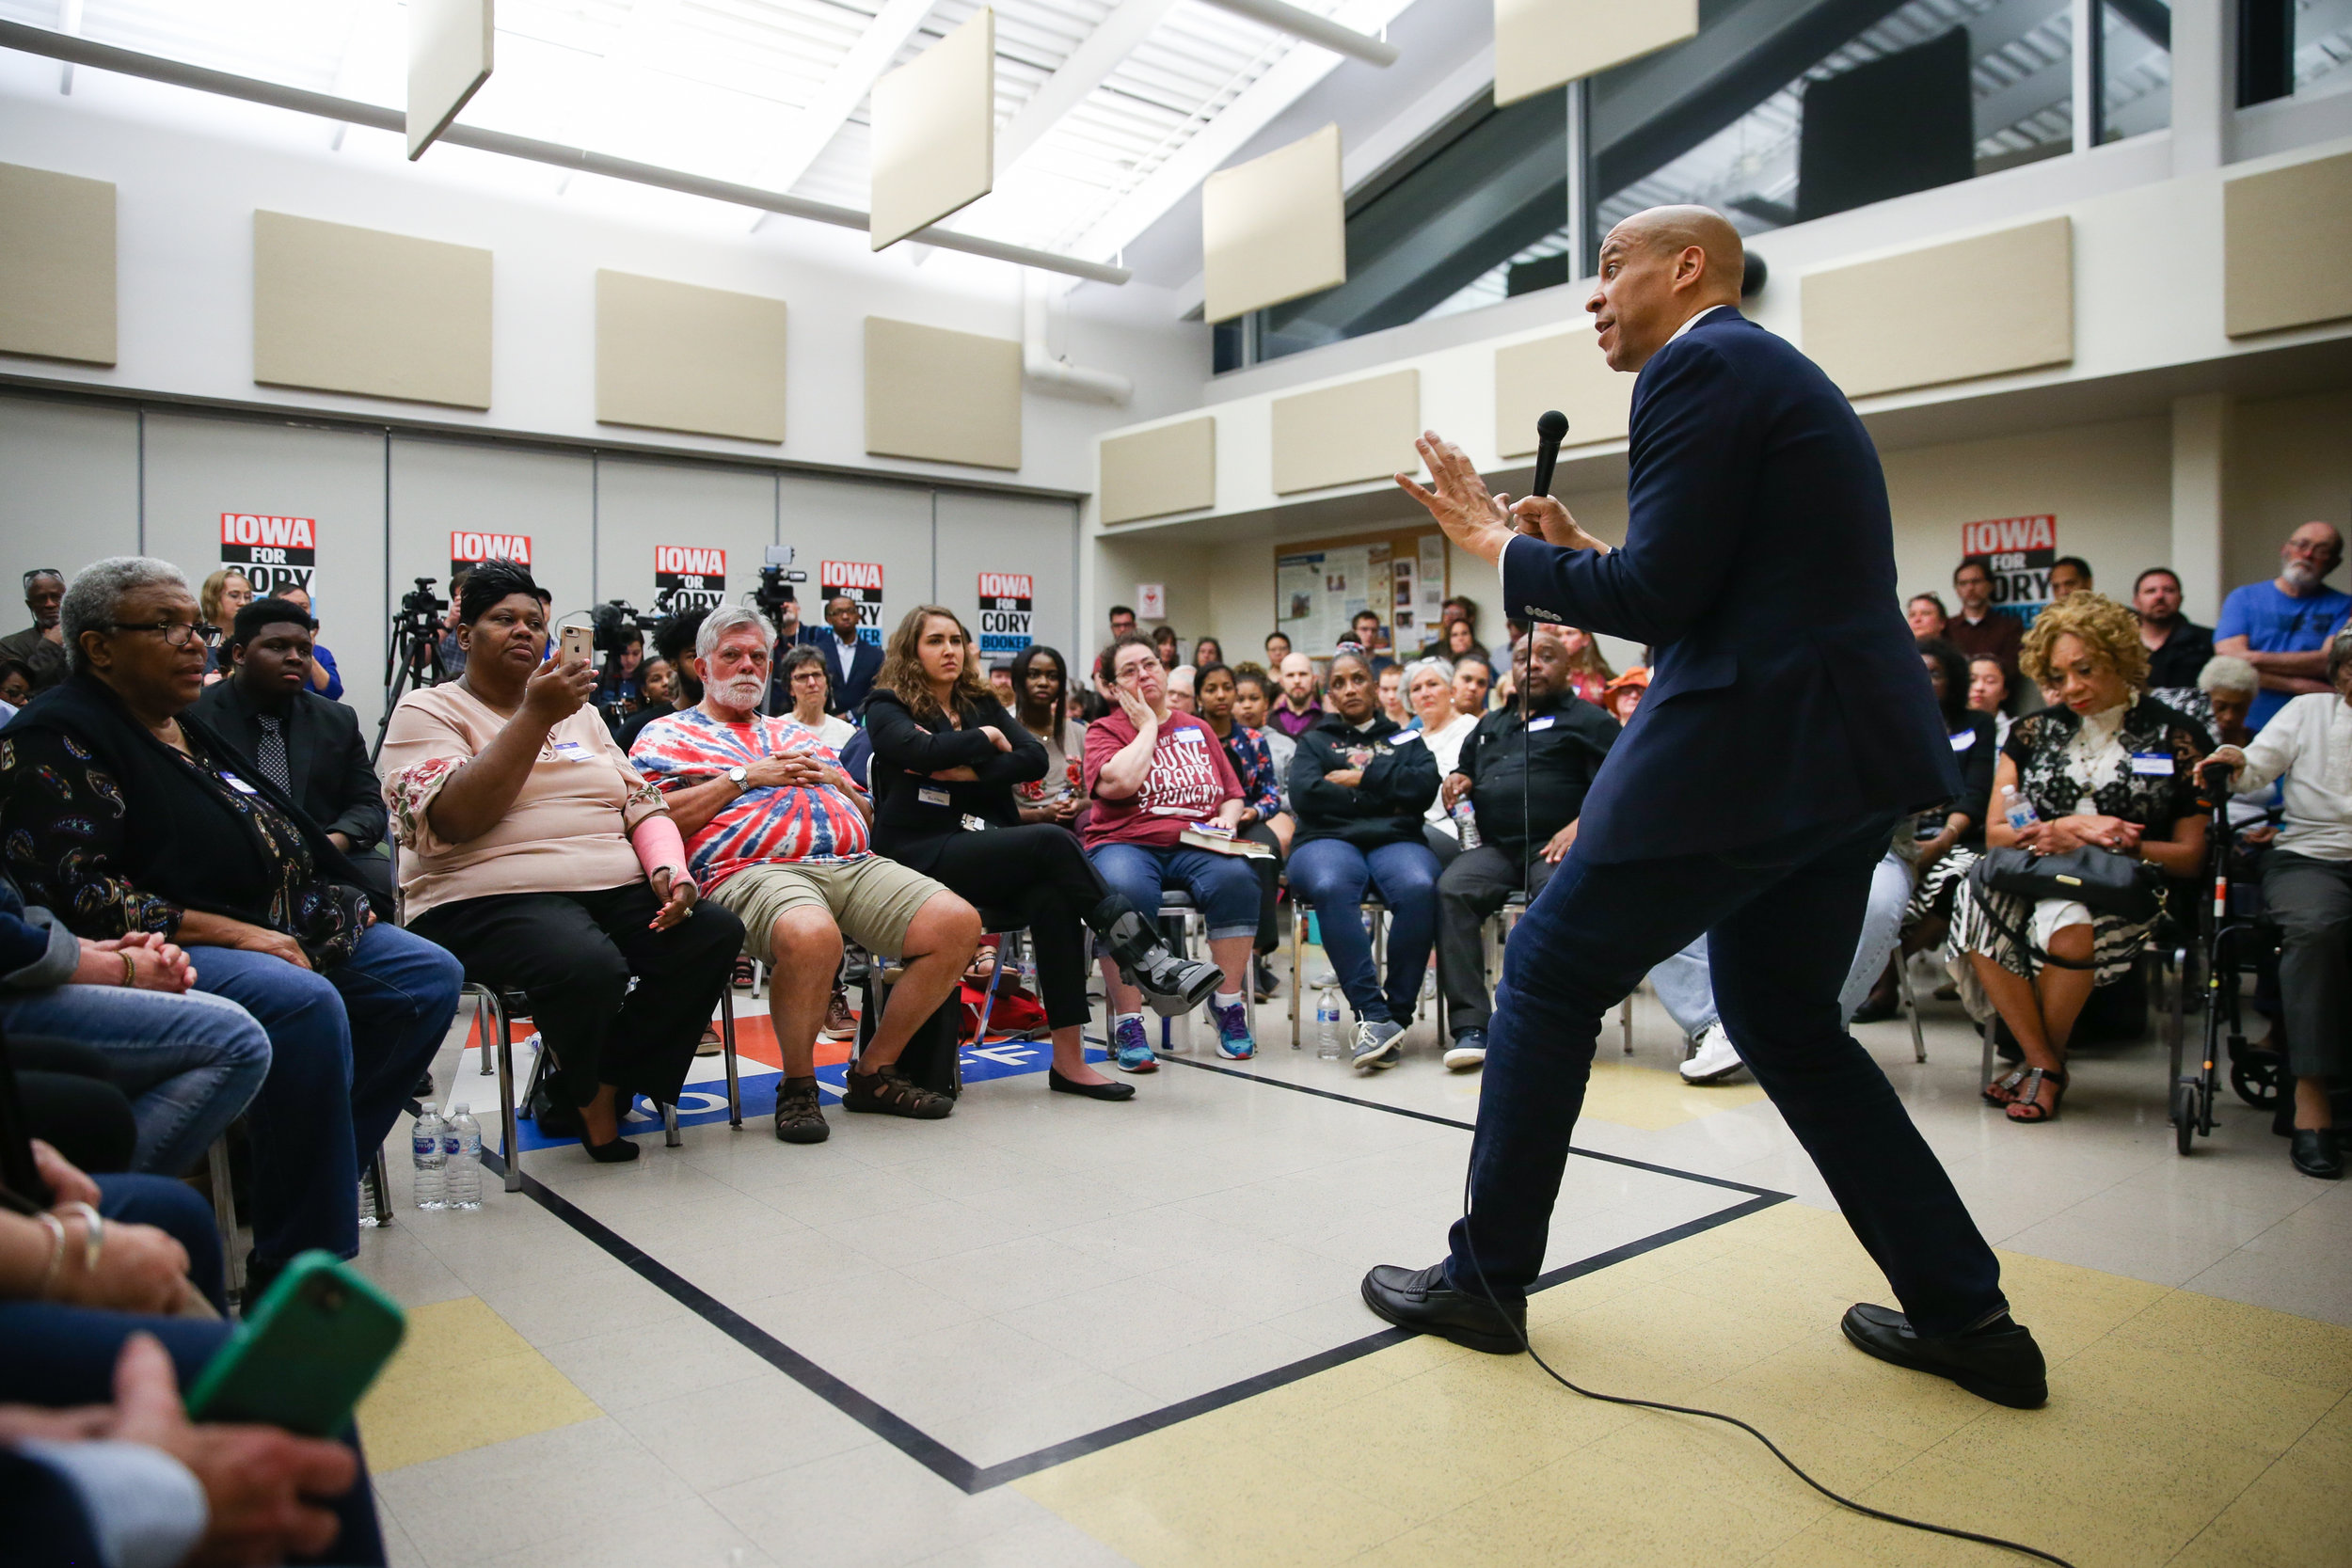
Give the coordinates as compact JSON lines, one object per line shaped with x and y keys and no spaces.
{"x":813,"y":823}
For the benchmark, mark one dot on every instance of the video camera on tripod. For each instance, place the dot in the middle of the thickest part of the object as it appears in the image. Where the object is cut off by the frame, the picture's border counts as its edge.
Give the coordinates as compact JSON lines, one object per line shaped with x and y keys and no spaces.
{"x":776,"y":578}
{"x":413,"y":658}
{"x":617,"y":624}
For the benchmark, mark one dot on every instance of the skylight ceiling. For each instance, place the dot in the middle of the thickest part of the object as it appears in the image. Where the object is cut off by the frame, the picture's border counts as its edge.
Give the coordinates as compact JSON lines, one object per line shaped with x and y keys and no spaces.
{"x":757,"y":91}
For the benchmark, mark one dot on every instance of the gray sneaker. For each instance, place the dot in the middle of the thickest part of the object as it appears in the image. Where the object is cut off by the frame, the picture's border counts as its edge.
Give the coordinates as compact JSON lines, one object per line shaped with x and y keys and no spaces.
{"x":1378,"y":1045}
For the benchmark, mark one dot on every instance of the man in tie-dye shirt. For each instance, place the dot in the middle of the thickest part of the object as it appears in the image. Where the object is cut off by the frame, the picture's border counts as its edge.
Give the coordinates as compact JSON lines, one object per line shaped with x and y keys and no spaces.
{"x":777,"y":833}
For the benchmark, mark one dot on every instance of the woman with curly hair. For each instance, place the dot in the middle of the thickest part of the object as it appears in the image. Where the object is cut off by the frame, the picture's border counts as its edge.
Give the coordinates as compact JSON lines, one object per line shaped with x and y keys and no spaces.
{"x":2104,"y":768}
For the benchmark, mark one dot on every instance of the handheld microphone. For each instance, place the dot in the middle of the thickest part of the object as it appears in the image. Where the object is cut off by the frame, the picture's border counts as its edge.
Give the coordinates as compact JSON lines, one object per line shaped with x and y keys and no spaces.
{"x":1549,"y":428}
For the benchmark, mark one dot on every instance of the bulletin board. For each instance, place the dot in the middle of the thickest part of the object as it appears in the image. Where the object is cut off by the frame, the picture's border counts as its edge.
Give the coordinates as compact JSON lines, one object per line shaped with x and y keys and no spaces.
{"x":1320,"y":586}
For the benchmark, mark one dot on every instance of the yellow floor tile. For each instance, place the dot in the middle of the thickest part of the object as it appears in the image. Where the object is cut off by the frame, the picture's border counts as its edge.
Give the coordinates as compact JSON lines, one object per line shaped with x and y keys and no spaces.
{"x":463,"y":1379}
{"x":1654,"y":1100}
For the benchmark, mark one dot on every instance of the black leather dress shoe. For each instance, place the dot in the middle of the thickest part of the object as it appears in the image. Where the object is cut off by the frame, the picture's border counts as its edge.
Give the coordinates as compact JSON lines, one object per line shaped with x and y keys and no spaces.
{"x":2316,"y":1152}
{"x":1421,"y":1300}
{"x":1999,"y":1362}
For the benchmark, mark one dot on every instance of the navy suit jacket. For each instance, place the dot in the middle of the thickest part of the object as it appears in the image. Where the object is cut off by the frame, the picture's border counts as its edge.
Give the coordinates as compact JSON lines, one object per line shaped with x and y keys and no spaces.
{"x":841,"y":696}
{"x":1786,"y":692}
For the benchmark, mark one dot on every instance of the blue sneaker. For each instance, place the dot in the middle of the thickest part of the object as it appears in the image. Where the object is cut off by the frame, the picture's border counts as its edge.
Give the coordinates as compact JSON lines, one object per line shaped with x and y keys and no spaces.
{"x":1131,"y":1049}
{"x":1234,"y":1039}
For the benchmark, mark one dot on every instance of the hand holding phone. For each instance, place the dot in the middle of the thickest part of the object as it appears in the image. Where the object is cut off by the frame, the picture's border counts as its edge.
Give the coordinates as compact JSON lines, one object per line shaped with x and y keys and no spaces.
{"x":579,"y":643}
{"x":305,"y":1353}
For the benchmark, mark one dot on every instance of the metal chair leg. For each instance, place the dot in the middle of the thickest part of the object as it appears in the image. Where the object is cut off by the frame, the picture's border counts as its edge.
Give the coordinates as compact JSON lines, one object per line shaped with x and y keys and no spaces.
{"x":225,"y":1214}
{"x":1625,"y":1021}
{"x":383,"y":1189}
{"x":1911,"y":1007}
{"x":496,"y":1020}
{"x":1299,"y":962}
{"x":727,"y":1050}
{"x":669,"y":1126}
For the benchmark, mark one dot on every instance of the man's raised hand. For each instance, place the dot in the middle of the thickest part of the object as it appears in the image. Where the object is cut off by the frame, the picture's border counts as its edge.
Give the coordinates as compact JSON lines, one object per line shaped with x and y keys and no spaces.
{"x":1472,"y":515}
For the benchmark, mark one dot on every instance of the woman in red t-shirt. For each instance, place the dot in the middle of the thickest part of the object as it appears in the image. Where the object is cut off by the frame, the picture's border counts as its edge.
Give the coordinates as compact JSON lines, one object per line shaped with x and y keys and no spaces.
{"x":1151,"y":773}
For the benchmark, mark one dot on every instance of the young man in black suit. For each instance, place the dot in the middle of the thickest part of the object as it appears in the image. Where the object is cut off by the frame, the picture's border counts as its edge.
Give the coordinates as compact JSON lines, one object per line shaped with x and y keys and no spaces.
{"x":308,"y":747}
{"x":1788,"y":726}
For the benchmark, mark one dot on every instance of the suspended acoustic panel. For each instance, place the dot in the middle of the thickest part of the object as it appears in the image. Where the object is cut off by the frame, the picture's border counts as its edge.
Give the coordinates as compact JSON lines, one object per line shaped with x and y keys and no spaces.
{"x":675,"y":357}
{"x":1346,"y":434}
{"x":1542,"y":44}
{"x":343,"y":310}
{"x":1274,"y":229}
{"x":1989,"y":305}
{"x":941,"y":396}
{"x":1152,"y":473}
{"x":2276,"y":229}
{"x":56,"y":265}
{"x":449,"y":59}
{"x":934,"y":132}
{"x":1566,"y":372}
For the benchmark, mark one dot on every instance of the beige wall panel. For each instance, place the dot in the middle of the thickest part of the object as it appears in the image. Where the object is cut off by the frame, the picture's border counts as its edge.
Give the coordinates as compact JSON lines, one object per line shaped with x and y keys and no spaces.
{"x":1274,"y":229}
{"x":1348,"y":433}
{"x":1154,"y":472}
{"x":343,"y":310}
{"x":56,"y":265}
{"x":2288,"y":464}
{"x":2286,"y":235}
{"x":1566,"y":372}
{"x":941,"y":396}
{"x":1542,"y":44}
{"x":449,"y":43}
{"x":674,"y":356}
{"x":1985,"y":306}
{"x":934,"y":131}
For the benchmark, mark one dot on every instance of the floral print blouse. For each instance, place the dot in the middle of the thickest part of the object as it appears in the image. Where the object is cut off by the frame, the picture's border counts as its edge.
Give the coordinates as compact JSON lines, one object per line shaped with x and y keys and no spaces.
{"x":2134,"y":762}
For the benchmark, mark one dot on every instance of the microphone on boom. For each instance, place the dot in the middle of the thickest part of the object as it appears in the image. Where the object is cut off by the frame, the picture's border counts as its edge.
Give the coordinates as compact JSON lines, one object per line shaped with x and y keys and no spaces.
{"x":1549,"y":428}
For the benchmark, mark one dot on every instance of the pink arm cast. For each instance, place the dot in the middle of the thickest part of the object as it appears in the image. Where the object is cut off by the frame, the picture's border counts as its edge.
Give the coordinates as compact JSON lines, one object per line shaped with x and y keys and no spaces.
{"x":658,"y":843}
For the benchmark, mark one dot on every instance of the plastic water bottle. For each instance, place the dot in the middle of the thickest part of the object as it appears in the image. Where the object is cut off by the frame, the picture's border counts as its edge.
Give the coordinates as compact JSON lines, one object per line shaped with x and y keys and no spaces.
{"x":2017,"y":809}
{"x":461,"y":1142}
{"x":1328,"y":1024}
{"x":1466,"y":822}
{"x":432,"y":1161}
{"x":1026,"y":972}
{"x":367,"y":1197}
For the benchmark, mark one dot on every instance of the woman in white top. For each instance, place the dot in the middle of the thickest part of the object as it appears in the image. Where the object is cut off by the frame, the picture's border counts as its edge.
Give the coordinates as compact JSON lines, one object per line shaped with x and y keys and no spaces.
{"x":2307,"y":886}
{"x":1429,"y":686}
{"x":805,"y":676}
{"x":1041,"y":686}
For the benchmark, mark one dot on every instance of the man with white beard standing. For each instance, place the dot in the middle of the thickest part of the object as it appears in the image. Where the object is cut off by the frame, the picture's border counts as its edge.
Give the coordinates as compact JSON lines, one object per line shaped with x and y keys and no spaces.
{"x":2282,"y":627}
{"x":777,"y":833}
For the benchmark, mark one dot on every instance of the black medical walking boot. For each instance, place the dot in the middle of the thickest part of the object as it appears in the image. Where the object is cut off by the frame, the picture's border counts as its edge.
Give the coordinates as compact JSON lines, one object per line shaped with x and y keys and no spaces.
{"x":1173,"y":985}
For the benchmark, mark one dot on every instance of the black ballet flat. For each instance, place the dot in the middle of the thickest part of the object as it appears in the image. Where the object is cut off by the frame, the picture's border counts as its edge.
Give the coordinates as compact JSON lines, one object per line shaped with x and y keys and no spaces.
{"x":1055,"y":1081}
{"x":620,"y":1151}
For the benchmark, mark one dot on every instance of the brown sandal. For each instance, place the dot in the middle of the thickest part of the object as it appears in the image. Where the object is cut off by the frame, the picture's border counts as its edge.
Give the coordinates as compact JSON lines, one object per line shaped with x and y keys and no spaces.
{"x":888,"y":1090}
{"x":2027,"y":1108}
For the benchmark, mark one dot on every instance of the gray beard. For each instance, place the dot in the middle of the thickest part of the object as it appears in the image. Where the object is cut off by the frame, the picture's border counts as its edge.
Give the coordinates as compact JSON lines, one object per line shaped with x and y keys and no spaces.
{"x":2299,"y":574}
{"x":743,"y":693}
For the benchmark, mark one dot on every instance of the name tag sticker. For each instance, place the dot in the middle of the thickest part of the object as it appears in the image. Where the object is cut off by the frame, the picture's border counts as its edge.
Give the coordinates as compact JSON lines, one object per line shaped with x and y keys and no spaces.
{"x":933,"y":797}
{"x":1544,"y":724}
{"x":572,"y":751}
{"x":1411,"y":737}
{"x":1188,"y":736}
{"x":1964,"y":739}
{"x":2156,"y":764}
{"x":238,"y":785}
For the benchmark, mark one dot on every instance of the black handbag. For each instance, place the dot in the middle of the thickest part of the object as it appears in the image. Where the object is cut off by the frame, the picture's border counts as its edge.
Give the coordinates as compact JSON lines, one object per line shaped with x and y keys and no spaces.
{"x":2100,"y":880}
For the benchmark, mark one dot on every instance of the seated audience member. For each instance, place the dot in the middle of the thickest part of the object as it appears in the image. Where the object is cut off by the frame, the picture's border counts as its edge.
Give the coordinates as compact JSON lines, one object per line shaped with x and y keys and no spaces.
{"x":1588,"y":673}
{"x":658,"y":679}
{"x":617,"y":694}
{"x":1298,"y":708}
{"x":16,"y":687}
{"x":850,"y":659}
{"x":189,"y":1063}
{"x":1366,"y":633}
{"x":1000,"y":683}
{"x":779,"y":834}
{"x":1474,"y":684}
{"x":1429,"y":685}
{"x":1277,"y":648}
{"x":1207,"y":651}
{"x":1164,"y":645}
{"x":1253,"y":708}
{"x":1263,"y":817}
{"x":1151,"y":774}
{"x":323,"y":676}
{"x":805,"y":679}
{"x":225,"y":592}
{"x":533,"y":850}
{"x":947,"y":754}
{"x":2282,"y":627}
{"x":126,"y":813}
{"x":1621,"y":698}
{"x":1988,"y":694}
{"x":1459,"y":641}
{"x":673,"y":643}
{"x":2307,"y":885}
{"x":1180,"y":693}
{"x":451,"y":651}
{"x":2068,"y":573}
{"x":1362,"y":783}
{"x":1042,"y":689}
{"x":1390,"y":690}
{"x":2230,"y":688}
{"x":39,"y":647}
{"x":308,"y":747}
{"x":1122,"y":621}
{"x":1977,"y":628}
{"x":1926,"y":615}
{"x":2104,"y":768}
{"x":1526,"y":783}
{"x":2177,"y":646}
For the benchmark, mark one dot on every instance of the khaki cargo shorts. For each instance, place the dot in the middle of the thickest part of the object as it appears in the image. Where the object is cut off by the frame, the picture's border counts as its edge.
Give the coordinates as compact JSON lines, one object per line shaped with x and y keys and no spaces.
{"x":873,"y":900}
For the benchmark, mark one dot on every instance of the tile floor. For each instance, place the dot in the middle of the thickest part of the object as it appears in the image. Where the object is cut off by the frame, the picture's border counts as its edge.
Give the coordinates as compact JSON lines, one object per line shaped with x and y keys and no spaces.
{"x":1048,"y":1332}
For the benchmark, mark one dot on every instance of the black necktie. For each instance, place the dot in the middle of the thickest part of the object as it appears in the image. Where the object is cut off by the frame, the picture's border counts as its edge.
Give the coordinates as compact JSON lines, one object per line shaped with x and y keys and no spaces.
{"x":270,"y":754}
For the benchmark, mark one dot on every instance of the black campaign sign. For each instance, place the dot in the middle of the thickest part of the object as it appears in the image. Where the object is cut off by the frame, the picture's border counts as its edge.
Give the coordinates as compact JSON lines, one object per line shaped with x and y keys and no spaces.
{"x":1005,"y":604}
{"x":861,"y":583}
{"x":694,"y":578}
{"x":2017,"y":551}
{"x":275,"y":554}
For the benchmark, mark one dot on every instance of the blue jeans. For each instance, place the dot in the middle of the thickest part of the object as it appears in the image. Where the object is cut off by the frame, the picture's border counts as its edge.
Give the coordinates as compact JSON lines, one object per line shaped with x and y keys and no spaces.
{"x":188,"y":1064}
{"x":172,"y":1206}
{"x":346,"y":1049}
{"x":1781,"y":918}
{"x":1686,"y":989}
{"x":1222,"y":886}
{"x":1331,"y":873}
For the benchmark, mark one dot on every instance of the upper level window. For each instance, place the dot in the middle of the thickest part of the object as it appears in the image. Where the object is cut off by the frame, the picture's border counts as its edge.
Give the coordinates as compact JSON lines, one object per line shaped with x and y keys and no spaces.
{"x":2291,"y":47}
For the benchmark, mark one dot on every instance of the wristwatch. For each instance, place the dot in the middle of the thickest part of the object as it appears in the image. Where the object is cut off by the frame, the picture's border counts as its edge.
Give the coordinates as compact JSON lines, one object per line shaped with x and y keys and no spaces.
{"x":736,"y":776}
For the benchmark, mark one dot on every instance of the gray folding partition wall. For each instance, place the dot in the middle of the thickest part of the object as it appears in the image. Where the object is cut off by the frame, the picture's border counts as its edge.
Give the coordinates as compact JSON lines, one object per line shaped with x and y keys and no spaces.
{"x":79,"y":480}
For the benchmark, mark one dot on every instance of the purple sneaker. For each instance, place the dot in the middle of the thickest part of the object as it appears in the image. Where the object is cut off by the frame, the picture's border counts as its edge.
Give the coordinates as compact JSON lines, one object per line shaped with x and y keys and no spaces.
{"x":1234,"y":1039}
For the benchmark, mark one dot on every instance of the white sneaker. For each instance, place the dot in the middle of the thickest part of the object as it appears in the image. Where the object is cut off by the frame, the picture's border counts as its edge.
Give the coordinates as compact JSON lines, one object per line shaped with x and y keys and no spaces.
{"x":1716,"y":1061}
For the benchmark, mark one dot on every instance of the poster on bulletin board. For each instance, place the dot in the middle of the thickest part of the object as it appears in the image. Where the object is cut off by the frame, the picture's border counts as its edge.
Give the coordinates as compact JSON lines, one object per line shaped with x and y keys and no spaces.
{"x":1320,"y":588}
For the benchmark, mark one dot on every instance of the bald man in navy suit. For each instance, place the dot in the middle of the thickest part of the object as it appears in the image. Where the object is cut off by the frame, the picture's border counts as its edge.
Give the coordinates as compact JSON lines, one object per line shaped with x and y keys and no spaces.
{"x":1787,"y":727}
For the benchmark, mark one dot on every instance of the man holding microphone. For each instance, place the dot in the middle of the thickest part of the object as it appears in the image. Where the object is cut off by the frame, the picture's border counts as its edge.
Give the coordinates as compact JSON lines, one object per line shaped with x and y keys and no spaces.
{"x":1787,"y":725}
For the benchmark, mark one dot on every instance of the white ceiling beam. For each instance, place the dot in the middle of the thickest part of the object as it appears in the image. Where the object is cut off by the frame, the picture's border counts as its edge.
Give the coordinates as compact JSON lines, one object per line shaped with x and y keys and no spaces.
{"x":816,"y":126}
{"x":1088,"y":66}
{"x":1284,"y":17}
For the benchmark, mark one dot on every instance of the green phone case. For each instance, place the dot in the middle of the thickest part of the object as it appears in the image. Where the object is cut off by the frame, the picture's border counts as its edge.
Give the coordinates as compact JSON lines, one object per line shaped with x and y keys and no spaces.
{"x":305,"y":1353}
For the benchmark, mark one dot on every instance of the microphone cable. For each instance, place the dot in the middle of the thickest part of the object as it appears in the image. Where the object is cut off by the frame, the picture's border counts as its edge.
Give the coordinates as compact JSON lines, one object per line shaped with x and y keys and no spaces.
{"x":1519,"y":1331}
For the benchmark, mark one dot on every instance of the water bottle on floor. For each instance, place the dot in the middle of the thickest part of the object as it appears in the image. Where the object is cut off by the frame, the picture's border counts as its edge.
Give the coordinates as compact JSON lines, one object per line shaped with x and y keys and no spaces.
{"x":432,"y":1161}
{"x":461,"y":1138}
{"x":1328,"y":1024}
{"x":367,"y":1197}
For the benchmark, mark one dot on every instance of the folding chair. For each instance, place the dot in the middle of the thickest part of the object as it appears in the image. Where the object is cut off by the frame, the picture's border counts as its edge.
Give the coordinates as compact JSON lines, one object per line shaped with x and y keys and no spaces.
{"x":1300,"y":909}
{"x":1505,"y":920}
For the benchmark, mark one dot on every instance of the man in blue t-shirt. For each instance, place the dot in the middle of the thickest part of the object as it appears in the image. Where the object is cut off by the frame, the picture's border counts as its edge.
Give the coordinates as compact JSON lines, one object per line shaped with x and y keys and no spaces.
{"x":2282,"y":627}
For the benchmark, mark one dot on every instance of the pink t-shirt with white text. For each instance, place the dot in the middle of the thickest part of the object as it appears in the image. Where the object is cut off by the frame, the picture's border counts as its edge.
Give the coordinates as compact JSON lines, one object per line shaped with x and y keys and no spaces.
{"x":1190,"y":778}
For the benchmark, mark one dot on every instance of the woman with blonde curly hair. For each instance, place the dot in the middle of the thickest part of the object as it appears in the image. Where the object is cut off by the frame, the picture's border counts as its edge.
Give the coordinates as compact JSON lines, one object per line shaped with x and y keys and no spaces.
{"x":2107,"y":768}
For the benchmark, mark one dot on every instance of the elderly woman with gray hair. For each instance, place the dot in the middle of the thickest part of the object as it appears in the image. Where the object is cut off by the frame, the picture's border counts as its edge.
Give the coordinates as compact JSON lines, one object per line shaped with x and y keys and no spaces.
{"x":124,"y":815}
